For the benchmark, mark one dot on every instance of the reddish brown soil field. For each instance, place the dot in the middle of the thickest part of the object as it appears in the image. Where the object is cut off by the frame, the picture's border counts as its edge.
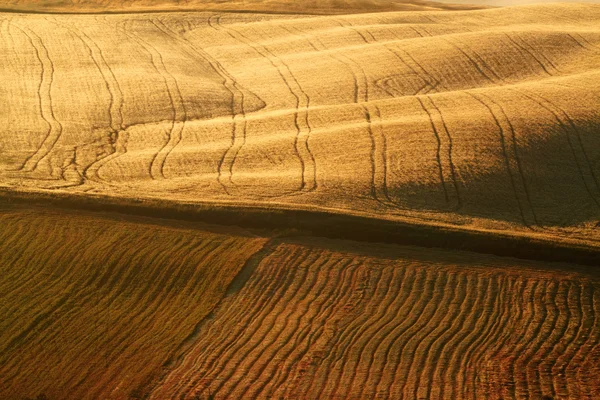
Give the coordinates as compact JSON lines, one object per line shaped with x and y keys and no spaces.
{"x":110,"y":306}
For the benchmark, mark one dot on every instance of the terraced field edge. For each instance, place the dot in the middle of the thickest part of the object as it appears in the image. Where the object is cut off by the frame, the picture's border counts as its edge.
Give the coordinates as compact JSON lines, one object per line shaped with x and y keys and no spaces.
{"x":325,"y":223}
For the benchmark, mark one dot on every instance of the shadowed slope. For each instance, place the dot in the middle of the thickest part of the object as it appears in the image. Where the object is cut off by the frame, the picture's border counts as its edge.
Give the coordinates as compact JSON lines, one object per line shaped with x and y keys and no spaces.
{"x":482,"y":119}
{"x":92,"y":307}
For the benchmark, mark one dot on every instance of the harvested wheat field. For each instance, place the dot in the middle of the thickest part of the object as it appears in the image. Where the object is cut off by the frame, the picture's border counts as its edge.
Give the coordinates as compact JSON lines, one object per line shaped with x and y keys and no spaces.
{"x":299,"y":200}
{"x":479,"y":120}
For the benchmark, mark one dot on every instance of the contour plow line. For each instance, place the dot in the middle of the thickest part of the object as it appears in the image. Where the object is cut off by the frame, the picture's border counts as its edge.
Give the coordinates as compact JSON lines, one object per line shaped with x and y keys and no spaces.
{"x":302,"y":104}
{"x":179,"y":112}
{"x":116,"y":129}
{"x":45,"y":101}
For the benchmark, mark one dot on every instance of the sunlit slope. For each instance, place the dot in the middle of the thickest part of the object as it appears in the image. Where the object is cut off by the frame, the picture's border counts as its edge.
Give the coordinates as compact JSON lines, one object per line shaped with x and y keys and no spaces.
{"x":318,"y":320}
{"x":268,"y":6}
{"x":96,"y":307}
{"x":480,"y":119}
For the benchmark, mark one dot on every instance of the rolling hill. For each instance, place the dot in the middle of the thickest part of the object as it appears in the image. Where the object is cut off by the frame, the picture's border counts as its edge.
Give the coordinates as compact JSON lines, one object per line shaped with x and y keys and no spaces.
{"x":102,"y":305}
{"x":483,"y":120}
{"x":92,"y":307}
{"x":372,"y":323}
{"x":271,"y":199}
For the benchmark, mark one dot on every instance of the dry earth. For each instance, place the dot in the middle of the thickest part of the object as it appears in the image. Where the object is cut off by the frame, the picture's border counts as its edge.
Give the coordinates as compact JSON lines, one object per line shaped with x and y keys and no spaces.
{"x":92,"y":307}
{"x":331,"y":320}
{"x":466,"y":122}
{"x":108,"y":306}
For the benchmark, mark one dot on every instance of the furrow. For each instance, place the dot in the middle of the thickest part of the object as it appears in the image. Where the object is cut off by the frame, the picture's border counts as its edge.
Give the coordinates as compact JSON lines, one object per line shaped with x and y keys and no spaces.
{"x":519,"y":369}
{"x":437,"y":350}
{"x":480,"y":329}
{"x":261,"y":325}
{"x":413,"y":385}
{"x":475,"y":367}
{"x":294,"y":314}
{"x":585,"y":340}
{"x":319,"y":312}
{"x":533,"y":380}
{"x":557,"y":342}
{"x":302,"y":104}
{"x":423,"y":291}
{"x":349,"y":360}
{"x":334,"y":328}
{"x":45,"y":100}
{"x":318,"y":342}
{"x":369,"y":335}
{"x":573,"y":335}
{"x":207,"y":360}
{"x":463,"y":338}
{"x":348,"y":326}
{"x":406,"y":342}
{"x":405,"y":306}
{"x":197,"y":358}
{"x":256,"y":360}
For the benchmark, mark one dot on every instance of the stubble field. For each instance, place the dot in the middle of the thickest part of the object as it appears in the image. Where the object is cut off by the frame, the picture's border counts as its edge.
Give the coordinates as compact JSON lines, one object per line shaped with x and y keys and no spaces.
{"x":421,"y":123}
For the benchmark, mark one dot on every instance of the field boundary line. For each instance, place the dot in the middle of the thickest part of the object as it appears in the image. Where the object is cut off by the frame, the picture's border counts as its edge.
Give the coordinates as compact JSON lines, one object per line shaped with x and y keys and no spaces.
{"x":325,"y":222}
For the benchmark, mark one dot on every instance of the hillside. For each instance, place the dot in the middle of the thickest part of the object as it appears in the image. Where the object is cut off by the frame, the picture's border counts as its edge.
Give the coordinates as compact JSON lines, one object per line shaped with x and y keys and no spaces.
{"x":299,"y":200}
{"x":477,"y":120}
{"x":93,"y":306}
{"x":345,"y":322}
{"x":99,"y":305}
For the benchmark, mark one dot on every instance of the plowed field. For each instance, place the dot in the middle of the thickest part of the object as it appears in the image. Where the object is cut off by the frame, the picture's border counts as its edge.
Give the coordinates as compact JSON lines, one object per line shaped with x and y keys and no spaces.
{"x":299,"y":200}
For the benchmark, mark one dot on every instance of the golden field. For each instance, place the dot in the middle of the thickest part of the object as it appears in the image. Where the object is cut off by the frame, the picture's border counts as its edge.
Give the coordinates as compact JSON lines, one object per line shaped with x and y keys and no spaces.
{"x":262,"y":6}
{"x":194,"y":197}
{"x":478,"y":120}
